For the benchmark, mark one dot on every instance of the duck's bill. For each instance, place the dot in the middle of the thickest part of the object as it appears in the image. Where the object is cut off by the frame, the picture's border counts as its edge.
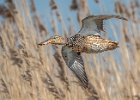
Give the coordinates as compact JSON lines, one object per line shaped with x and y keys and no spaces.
{"x":44,"y":42}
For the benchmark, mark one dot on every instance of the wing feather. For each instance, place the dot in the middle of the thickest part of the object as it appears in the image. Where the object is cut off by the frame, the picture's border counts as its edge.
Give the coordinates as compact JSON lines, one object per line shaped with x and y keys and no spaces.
{"x":94,"y":24}
{"x":75,"y":62}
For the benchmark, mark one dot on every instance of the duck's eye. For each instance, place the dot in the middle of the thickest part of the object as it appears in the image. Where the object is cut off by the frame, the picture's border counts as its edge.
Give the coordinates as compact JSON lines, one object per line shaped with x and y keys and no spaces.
{"x":65,"y":56}
{"x":56,"y":37}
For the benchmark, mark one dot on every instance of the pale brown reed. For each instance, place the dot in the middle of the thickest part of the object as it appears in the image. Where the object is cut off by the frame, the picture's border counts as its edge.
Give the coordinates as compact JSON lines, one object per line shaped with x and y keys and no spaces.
{"x":30,"y":72}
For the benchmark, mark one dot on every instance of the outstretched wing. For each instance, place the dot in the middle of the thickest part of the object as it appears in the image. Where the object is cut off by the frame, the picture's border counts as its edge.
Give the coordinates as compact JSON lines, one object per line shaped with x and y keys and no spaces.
{"x":75,"y":62}
{"x":94,"y":24}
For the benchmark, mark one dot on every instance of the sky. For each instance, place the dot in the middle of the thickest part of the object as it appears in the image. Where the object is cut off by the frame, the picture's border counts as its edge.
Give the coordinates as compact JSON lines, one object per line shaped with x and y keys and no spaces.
{"x":105,"y":7}
{"x":43,"y":9}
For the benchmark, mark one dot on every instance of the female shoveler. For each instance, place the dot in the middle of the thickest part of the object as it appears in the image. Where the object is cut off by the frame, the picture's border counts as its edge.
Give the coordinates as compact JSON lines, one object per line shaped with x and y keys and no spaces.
{"x":85,"y":41}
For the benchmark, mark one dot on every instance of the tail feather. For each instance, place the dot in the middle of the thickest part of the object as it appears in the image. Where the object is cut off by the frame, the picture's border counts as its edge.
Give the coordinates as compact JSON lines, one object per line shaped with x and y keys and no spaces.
{"x":112,"y":45}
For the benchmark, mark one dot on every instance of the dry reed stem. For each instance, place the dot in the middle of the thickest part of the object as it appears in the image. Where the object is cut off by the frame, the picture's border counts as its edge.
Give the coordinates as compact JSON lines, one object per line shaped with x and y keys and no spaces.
{"x":115,"y":75}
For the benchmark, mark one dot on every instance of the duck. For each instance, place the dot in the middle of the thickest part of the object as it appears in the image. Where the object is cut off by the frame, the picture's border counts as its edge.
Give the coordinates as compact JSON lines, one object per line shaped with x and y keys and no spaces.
{"x":87,"y":40}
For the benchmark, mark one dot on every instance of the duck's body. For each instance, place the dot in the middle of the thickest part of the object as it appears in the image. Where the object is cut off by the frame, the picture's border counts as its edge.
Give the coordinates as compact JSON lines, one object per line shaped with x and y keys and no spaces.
{"x":90,"y":43}
{"x":79,"y":43}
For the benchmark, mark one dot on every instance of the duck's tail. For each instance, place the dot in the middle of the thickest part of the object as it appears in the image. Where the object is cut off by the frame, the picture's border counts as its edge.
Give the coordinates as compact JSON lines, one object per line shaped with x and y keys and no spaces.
{"x":112,"y":45}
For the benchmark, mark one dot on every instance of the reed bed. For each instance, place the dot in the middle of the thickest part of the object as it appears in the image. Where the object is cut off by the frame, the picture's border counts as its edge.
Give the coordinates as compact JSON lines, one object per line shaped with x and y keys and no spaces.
{"x":30,"y":72}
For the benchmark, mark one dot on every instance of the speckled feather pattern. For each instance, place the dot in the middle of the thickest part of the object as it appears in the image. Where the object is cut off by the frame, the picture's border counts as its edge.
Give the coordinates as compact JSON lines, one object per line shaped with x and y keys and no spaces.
{"x":90,"y":43}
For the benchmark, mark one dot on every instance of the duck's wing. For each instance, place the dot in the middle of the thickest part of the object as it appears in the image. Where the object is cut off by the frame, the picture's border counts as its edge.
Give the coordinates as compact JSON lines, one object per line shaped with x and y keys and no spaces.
{"x":94,"y":24}
{"x":75,"y":62}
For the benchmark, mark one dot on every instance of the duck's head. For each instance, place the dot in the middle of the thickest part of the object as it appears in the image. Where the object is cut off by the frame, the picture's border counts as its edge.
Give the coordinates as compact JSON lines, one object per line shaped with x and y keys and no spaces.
{"x":57,"y":40}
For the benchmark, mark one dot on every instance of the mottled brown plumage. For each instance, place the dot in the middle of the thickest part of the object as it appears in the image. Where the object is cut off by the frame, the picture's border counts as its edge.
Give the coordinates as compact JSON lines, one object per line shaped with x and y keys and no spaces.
{"x":90,"y":43}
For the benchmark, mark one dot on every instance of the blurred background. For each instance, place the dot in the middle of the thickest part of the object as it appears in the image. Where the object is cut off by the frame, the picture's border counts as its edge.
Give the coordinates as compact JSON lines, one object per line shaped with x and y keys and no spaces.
{"x":29,"y":72}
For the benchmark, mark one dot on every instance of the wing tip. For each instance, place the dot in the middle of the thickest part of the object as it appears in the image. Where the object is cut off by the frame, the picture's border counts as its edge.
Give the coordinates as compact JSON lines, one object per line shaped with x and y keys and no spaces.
{"x":121,"y":17}
{"x":124,"y":18}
